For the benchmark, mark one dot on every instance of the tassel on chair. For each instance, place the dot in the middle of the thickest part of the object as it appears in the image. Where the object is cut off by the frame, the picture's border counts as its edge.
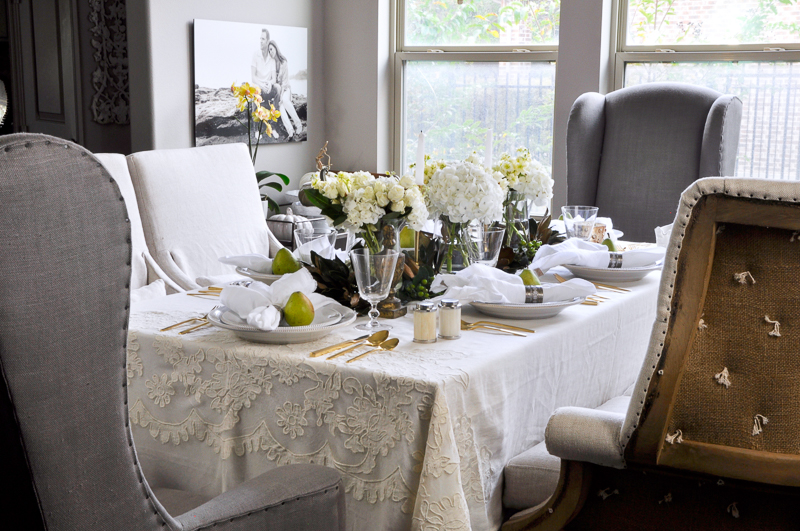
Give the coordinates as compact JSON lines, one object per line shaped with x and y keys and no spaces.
{"x":723,"y":378}
{"x":720,"y":228}
{"x":741,"y":278}
{"x":675,"y":438}
{"x":759,"y":421}
{"x":733,"y":510}
{"x":667,"y":499}
{"x":776,"y":330}
{"x":701,"y":325}
{"x":605,"y":493}
{"x":794,"y":237}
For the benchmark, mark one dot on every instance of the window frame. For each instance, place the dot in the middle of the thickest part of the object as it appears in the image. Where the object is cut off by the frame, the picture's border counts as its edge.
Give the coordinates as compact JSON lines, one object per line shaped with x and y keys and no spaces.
{"x":691,"y":53}
{"x":469,"y":54}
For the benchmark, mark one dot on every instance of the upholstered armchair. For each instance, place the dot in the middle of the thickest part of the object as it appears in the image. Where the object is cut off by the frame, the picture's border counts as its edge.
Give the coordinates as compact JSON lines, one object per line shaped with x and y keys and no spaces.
{"x":68,"y":459}
{"x":196,"y":205}
{"x":633,"y":151}
{"x":709,"y":436}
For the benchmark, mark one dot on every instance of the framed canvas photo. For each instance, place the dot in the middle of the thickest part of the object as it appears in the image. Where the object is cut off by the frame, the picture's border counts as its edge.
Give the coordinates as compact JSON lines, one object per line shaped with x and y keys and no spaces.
{"x":274,"y":58}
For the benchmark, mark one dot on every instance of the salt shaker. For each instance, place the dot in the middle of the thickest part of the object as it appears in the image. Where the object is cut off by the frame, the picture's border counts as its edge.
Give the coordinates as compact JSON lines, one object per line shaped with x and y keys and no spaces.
{"x":450,"y":319}
{"x":425,"y":316}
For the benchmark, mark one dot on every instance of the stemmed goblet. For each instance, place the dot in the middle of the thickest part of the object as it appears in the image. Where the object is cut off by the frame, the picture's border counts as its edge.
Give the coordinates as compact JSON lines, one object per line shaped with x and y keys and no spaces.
{"x":374,"y":274}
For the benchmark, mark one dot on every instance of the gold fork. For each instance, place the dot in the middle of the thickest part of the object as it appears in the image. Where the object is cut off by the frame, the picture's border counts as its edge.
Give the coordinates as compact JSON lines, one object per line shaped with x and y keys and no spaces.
{"x":467,"y":326}
{"x":592,"y":298}
{"x":499,"y":325}
{"x":187,"y":321}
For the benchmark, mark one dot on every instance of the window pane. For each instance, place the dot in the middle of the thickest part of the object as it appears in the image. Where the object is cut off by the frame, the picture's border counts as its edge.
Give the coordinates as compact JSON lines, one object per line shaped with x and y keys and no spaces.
{"x":769,"y":144}
{"x":481,"y":22}
{"x":653,"y":22}
{"x":455,"y":103}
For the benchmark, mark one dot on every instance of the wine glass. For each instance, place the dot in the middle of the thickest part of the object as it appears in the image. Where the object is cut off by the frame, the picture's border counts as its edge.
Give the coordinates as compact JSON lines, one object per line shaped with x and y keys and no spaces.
{"x":374,"y":273}
{"x":485,"y":245}
{"x":303,"y":236}
{"x":579,"y":220}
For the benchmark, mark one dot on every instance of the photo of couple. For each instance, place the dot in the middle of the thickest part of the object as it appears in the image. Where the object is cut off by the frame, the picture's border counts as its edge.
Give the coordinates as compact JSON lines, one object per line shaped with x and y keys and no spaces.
{"x":272,"y":58}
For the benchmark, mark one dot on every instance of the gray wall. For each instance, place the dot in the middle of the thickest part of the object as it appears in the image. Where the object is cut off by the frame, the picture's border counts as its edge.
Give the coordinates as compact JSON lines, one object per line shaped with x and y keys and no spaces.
{"x":358,"y":84}
{"x":162,"y":80}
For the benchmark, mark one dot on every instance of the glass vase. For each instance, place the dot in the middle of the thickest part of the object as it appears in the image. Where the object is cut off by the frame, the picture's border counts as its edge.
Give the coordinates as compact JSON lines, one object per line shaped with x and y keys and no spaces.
{"x":455,"y":240}
{"x":515,"y":218}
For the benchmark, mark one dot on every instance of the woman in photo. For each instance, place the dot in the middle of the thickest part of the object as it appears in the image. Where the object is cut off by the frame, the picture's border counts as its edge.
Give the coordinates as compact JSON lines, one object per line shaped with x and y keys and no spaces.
{"x":285,"y":93}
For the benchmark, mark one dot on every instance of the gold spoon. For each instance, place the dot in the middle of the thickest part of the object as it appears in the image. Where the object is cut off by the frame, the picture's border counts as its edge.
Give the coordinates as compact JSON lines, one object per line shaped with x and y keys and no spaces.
{"x":374,"y":340}
{"x":389,"y":344}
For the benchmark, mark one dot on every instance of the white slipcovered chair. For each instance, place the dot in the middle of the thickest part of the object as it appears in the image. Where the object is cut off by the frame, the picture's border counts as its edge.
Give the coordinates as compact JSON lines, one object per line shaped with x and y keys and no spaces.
{"x":147,"y":279}
{"x":198,"y":204}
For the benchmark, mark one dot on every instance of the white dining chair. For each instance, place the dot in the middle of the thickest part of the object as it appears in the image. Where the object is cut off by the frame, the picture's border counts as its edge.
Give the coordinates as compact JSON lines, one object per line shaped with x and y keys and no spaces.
{"x":146,"y":276}
{"x":198,"y":204}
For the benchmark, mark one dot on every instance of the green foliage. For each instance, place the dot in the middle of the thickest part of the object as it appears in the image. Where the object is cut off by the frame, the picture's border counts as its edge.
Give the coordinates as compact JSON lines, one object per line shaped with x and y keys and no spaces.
{"x":336,"y":280}
{"x":262,"y":178}
{"x":417,"y":288}
{"x":437,"y":22}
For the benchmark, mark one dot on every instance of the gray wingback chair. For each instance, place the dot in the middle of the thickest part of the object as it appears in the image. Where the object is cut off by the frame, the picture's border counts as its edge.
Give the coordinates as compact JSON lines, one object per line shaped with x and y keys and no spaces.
{"x":633,"y":151}
{"x":66,"y":449}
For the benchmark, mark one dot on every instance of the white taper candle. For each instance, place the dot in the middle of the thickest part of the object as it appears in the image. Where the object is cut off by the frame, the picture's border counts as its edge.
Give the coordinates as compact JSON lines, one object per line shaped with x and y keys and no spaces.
{"x":487,"y":159}
{"x":420,"y":166}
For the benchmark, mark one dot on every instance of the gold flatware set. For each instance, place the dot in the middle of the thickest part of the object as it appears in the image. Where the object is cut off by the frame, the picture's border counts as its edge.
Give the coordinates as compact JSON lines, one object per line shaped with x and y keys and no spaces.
{"x":209,"y":292}
{"x":595,"y":299}
{"x":203,"y":321}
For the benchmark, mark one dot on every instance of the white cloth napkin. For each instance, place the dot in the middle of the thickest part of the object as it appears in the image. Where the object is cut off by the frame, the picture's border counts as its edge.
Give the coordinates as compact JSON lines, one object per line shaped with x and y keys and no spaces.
{"x":479,"y":282}
{"x":588,"y":254}
{"x":254,"y":262}
{"x":663,"y":234}
{"x":259,"y":304}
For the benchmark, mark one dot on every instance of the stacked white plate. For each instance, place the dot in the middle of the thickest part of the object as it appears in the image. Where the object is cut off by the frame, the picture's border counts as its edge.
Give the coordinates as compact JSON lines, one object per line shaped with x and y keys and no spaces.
{"x":326,"y":319}
{"x":537,"y":310}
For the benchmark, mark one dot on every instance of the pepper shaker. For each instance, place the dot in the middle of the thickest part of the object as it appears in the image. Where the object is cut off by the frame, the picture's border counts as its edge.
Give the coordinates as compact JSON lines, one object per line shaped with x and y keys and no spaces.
{"x":450,"y":317}
{"x":425,"y":316}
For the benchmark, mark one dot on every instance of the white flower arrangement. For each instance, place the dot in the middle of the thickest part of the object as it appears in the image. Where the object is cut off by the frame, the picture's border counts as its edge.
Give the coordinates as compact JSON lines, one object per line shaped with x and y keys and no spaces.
{"x":358,"y":200}
{"x":465,"y":191}
{"x":527,"y":176}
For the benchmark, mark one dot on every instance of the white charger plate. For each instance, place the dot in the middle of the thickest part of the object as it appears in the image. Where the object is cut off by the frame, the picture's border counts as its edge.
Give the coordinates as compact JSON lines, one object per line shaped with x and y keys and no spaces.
{"x":255,"y":275}
{"x":540,"y":310}
{"x":326,"y":319}
{"x":605,"y":274}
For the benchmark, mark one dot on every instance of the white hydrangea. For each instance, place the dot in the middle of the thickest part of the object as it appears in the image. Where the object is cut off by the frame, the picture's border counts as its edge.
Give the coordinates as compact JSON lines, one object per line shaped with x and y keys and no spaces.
{"x":365,"y":199}
{"x":527,"y":176}
{"x":464,"y":191}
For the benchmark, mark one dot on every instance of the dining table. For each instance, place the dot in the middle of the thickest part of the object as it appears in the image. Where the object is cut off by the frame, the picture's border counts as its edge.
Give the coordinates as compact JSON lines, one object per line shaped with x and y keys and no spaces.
{"x":420,"y":434}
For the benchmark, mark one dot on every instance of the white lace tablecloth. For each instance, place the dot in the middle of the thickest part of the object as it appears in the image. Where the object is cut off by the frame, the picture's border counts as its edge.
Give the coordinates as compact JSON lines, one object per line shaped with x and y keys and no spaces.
{"x":420,"y":434}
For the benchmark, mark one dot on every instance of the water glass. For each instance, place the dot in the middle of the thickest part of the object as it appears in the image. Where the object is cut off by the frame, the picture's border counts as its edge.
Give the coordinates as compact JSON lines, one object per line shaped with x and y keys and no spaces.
{"x":485,"y":245}
{"x":374,"y":273}
{"x":579,"y":220}
{"x":322,"y":238}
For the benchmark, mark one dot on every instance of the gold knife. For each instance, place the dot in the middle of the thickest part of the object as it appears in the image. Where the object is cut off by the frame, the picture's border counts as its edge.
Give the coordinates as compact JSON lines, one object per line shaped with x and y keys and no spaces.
{"x":326,"y":350}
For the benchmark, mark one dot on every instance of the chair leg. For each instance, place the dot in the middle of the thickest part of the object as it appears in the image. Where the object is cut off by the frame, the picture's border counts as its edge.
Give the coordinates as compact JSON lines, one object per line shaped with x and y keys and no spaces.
{"x":552,"y":515}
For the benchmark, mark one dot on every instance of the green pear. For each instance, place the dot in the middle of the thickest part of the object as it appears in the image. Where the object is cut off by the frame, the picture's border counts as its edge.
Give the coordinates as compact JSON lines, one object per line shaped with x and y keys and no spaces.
{"x":298,"y":310}
{"x":529,"y":278}
{"x":284,"y":262}
{"x":407,"y":238}
{"x":608,"y":242}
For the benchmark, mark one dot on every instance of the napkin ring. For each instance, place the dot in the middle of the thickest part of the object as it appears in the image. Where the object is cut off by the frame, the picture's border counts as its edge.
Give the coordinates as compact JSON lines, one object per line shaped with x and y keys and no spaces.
{"x":614,"y":260}
{"x":534,"y":294}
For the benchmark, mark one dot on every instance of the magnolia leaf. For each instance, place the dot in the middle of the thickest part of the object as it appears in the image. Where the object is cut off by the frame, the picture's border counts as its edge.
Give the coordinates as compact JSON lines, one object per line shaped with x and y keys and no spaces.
{"x":261,"y":175}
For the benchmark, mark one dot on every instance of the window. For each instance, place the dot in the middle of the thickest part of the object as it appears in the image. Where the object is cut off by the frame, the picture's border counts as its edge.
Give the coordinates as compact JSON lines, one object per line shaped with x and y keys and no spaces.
{"x":750,"y":48}
{"x":464,"y":67}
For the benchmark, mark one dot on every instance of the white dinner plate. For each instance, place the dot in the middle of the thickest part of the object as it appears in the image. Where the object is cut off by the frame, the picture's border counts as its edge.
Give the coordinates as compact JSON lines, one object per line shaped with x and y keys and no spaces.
{"x":326,"y":319}
{"x":605,"y":274}
{"x":255,"y":275}
{"x":540,"y":310}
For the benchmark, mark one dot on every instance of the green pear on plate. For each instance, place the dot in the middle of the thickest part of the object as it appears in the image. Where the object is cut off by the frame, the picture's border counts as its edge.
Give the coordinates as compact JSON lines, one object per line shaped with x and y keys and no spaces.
{"x":299,"y":311}
{"x":285,"y":262}
{"x":529,"y":278}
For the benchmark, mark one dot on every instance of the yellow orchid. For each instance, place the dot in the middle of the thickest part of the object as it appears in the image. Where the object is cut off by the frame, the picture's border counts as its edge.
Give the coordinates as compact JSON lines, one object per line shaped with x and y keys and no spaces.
{"x":248,"y":100}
